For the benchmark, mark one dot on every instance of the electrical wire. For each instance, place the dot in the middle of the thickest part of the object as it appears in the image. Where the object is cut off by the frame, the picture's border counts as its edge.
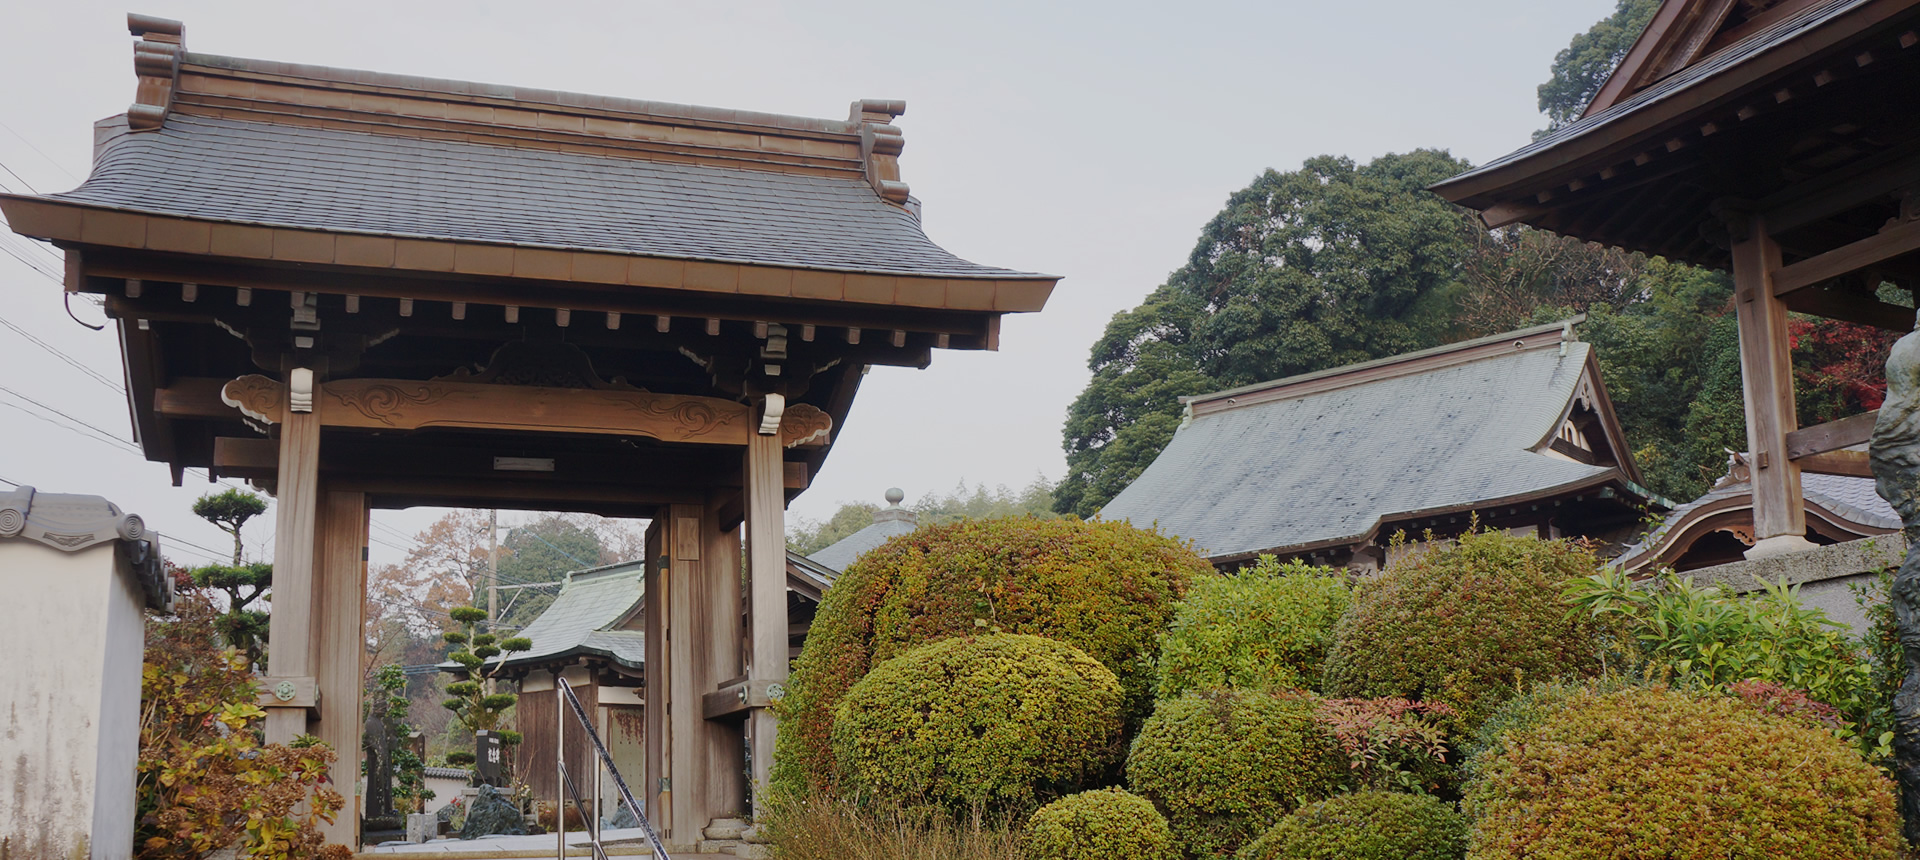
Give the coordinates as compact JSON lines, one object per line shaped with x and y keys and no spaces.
{"x":36,"y":151}
{"x":95,"y":375}
{"x":16,"y":176}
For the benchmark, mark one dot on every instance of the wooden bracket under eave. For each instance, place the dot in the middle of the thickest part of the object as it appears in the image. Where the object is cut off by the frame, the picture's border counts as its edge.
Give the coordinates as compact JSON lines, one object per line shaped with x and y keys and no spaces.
{"x":156,"y":64}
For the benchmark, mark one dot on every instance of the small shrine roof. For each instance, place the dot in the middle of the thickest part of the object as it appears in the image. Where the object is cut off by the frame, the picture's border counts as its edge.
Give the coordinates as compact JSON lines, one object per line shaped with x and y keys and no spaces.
{"x":888,"y":523}
{"x":583,"y":619}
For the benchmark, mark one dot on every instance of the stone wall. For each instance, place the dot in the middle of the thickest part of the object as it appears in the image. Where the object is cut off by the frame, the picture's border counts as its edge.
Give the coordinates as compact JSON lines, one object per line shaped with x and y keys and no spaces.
{"x":1827,"y":576}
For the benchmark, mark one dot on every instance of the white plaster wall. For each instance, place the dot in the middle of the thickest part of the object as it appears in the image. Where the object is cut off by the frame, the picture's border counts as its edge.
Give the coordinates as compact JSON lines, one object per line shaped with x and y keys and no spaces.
{"x":53,"y":635}
{"x":445,"y":791}
{"x":125,"y":635}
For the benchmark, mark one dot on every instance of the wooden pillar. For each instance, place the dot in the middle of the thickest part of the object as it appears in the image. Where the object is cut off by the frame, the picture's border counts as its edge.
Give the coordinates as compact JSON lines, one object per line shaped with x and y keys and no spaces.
{"x":767,"y":570}
{"x":686,"y":724}
{"x":1766,"y":374}
{"x":290,"y":638}
{"x":722,"y":758}
{"x":653,"y":789}
{"x":339,"y":601}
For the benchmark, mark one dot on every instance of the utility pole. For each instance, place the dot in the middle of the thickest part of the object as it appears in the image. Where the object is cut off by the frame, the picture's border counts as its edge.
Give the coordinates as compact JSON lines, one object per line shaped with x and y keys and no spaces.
{"x":493,"y":582}
{"x":493,"y":569}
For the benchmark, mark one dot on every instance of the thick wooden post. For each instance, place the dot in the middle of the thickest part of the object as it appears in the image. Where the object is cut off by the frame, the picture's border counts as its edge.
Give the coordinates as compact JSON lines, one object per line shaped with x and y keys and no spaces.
{"x":722,"y":758}
{"x":654,"y":788}
{"x":763,"y":483}
{"x":339,"y":601}
{"x":290,"y":637}
{"x":685,"y":637}
{"x":1766,"y":373}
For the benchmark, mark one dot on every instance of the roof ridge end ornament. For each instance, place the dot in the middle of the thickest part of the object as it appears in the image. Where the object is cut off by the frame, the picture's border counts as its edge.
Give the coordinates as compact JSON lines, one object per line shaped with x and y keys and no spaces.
{"x":156,"y":65}
{"x":880,"y":144}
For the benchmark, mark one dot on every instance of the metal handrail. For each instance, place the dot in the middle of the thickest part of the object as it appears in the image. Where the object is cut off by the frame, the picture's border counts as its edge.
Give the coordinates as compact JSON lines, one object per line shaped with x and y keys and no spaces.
{"x":566,"y":698}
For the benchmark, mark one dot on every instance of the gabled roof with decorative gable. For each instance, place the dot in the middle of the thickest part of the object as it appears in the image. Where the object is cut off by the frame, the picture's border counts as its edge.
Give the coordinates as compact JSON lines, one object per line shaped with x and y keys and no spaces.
{"x":586,"y":619}
{"x":1326,"y":459}
{"x":1838,"y":508}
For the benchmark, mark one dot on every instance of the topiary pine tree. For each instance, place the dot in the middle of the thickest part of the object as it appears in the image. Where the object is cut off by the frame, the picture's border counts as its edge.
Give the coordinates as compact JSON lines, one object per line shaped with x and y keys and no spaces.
{"x":472,"y":706}
{"x":243,"y":582}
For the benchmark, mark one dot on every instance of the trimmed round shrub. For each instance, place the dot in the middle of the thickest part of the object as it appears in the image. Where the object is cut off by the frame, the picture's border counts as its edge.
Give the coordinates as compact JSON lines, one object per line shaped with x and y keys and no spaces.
{"x":1108,"y":589}
{"x":1225,"y":765}
{"x":1653,"y":772}
{"x":1467,"y":624}
{"x":999,"y":721}
{"x":1267,"y":627}
{"x":1103,"y":824}
{"x":1366,"y":825}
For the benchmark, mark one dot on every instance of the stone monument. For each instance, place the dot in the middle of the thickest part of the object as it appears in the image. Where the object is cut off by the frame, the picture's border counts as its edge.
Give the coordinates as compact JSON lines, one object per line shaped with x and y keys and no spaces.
{"x":77,"y":573}
{"x":1895,"y":454}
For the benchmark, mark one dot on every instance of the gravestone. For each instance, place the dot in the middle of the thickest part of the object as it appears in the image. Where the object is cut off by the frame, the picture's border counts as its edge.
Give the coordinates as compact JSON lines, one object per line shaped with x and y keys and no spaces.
{"x":422,"y":826}
{"x":488,"y":761}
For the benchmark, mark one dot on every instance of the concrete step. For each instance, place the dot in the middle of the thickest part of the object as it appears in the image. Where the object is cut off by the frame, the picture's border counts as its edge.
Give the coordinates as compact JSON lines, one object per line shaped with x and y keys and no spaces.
{"x":726,"y":828}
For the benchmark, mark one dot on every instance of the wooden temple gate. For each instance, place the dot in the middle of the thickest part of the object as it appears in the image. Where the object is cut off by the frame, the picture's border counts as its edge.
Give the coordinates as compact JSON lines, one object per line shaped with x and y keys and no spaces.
{"x":377,"y":291}
{"x":1778,"y":140}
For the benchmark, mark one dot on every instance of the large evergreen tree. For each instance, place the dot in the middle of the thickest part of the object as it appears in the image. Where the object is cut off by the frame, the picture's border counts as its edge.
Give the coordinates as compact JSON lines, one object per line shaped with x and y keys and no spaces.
{"x":1323,"y":266}
{"x":1337,"y":263}
{"x":1582,"y":68}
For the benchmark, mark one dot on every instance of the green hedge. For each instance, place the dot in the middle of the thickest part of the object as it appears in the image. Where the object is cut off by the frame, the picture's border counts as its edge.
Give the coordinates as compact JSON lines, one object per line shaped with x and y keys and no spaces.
{"x":1104,"y":824}
{"x":1225,"y":765}
{"x":1651,"y":772}
{"x":999,"y":722}
{"x":1267,"y":627}
{"x":1366,"y":825}
{"x":1106,"y":588}
{"x":1467,"y":624}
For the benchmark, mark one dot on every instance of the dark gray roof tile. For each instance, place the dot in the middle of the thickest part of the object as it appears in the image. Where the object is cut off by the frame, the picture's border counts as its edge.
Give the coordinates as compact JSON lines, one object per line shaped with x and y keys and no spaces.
{"x":354,"y":182}
{"x":1331,"y":466}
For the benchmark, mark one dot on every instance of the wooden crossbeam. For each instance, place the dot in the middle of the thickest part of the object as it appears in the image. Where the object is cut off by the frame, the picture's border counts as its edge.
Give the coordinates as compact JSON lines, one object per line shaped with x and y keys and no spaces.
{"x":401,"y":404}
{"x":1885,"y":245}
{"x":1852,"y":307}
{"x":1853,"y":464}
{"x":1831,"y":436}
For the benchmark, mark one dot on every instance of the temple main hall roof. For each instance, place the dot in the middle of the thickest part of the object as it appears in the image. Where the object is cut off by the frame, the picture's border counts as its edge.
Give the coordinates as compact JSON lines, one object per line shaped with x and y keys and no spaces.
{"x":1325,"y":459}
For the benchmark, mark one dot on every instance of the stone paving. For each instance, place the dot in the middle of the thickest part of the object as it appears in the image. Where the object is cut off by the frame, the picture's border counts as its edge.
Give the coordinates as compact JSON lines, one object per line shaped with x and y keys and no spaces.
{"x":626,"y":842}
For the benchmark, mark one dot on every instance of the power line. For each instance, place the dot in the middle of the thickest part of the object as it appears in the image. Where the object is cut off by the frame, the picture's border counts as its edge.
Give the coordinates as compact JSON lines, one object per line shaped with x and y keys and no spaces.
{"x":36,"y":151}
{"x":16,"y":176}
{"x":76,"y":363}
{"x":102,"y":433}
{"x":30,"y":264}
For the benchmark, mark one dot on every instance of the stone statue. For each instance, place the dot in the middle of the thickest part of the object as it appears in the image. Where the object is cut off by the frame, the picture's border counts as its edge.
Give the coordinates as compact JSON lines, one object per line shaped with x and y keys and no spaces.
{"x":377,"y":738}
{"x":1895,"y":454}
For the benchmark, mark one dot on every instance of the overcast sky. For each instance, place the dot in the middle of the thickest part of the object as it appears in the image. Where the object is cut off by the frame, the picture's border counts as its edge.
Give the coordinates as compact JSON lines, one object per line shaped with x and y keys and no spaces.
{"x":1087,"y":140}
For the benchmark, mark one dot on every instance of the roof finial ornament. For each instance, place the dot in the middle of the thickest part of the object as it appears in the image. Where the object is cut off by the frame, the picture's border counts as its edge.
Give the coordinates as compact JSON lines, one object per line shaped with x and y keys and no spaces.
{"x":893,"y":512}
{"x":156,"y":63}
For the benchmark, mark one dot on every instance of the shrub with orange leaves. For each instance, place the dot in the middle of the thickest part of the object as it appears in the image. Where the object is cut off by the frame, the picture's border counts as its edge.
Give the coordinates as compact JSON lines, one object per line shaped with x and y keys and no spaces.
{"x":204,"y":779}
{"x":1654,"y":772}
